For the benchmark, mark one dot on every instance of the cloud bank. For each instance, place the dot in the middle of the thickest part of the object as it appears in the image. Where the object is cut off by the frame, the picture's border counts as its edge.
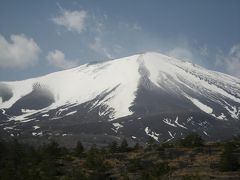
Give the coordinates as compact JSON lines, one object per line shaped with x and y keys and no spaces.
{"x":57,"y":59}
{"x":19,"y":52}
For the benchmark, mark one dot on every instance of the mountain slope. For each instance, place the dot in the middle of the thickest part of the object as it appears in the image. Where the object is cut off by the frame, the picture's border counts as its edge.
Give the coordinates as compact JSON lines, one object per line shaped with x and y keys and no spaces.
{"x":138,"y":96}
{"x":84,"y":83}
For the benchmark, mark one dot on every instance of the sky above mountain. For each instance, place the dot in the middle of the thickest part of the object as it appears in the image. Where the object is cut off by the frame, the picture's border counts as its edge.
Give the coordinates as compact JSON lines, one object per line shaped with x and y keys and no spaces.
{"x":39,"y":37}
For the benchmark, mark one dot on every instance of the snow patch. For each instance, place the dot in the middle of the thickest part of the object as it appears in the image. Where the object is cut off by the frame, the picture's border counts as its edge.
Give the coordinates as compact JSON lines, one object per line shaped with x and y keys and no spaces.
{"x":169,"y":122}
{"x":3,"y":111}
{"x":234,"y":112}
{"x":205,"y":133}
{"x":189,"y":118}
{"x":24,"y":117}
{"x":173,"y":123}
{"x":204,"y":107}
{"x":36,"y":127}
{"x":8,"y":128}
{"x":117,"y":126}
{"x":27,"y":110}
{"x":37,"y":134}
{"x":105,"y":112}
{"x":176,"y":121}
{"x":200,"y":105}
{"x":58,"y":113}
{"x":222,"y":117}
{"x":172,"y":136}
{"x":71,"y":113}
{"x":151,"y":133}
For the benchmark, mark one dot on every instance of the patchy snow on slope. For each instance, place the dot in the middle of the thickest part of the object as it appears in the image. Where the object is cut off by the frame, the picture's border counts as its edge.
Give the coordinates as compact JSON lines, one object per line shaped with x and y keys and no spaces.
{"x":23,"y":117}
{"x":117,"y":126}
{"x":222,"y":117}
{"x":27,"y":110}
{"x":169,"y":122}
{"x":205,"y":133}
{"x":180,"y":125}
{"x":204,"y":107}
{"x":107,"y":111}
{"x":189,"y":119}
{"x":58,"y":113}
{"x":234,"y":112}
{"x":172,"y":75}
{"x":173,"y":123}
{"x":3,"y":111}
{"x":8,"y":128}
{"x":172,"y":136}
{"x":70,"y":113}
{"x":37,"y":134}
{"x":36,"y":127}
{"x":200,"y":105}
{"x":151,"y":133}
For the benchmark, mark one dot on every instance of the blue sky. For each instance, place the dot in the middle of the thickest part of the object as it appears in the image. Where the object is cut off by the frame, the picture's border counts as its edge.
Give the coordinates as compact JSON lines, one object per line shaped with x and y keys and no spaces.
{"x":39,"y":37}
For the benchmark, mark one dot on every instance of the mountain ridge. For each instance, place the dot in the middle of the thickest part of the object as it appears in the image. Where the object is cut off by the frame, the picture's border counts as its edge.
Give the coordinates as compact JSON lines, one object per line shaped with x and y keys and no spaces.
{"x":139,"y":86}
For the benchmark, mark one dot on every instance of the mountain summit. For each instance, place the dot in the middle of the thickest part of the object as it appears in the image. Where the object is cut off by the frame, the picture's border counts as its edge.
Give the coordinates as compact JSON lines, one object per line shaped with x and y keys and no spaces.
{"x":135,"y":97}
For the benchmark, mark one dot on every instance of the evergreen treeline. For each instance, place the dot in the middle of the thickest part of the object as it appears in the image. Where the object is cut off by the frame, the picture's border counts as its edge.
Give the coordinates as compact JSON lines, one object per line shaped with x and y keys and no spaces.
{"x":51,"y":161}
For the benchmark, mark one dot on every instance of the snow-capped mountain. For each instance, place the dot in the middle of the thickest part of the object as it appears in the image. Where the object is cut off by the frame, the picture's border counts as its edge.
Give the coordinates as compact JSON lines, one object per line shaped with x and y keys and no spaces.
{"x":138,"y":96}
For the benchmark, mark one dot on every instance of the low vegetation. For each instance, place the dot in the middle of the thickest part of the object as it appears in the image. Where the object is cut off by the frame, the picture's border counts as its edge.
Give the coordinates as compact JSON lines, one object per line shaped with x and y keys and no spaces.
{"x":189,"y":158}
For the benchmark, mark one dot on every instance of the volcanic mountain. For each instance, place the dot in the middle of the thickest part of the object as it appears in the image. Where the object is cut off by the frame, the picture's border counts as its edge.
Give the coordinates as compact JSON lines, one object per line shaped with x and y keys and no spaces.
{"x":136,"y":97}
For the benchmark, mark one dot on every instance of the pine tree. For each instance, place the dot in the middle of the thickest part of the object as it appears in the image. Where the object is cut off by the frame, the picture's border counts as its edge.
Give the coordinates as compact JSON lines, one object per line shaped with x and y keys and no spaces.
{"x":124,"y":146}
{"x":113,"y":147}
{"x":79,"y":148}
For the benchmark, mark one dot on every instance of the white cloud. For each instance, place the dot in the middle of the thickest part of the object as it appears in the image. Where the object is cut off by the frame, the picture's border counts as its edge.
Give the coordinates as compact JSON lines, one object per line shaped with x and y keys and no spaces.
{"x":137,"y":27}
{"x":231,"y":61}
{"x":181,"y":53}
{"x":19,"y":52}
{"x":129,"y":26}
{"x":57,"y":59}
{"x":98,"y":47}
{"x":72,"y":20}
{"x":204,"y":50}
